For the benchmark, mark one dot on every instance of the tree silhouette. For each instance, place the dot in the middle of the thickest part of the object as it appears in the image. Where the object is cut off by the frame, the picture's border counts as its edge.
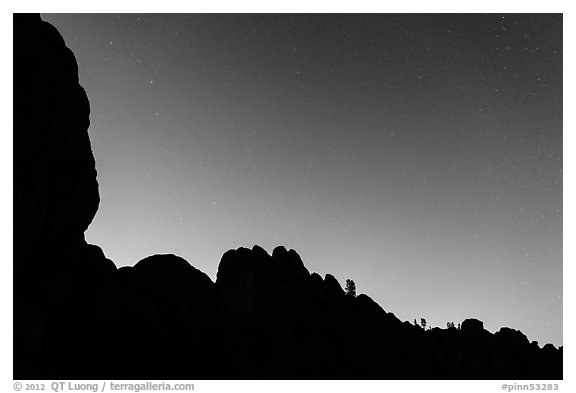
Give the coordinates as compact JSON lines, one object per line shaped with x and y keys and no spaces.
{"x":423,"y":323}
{"x":350,"y":288}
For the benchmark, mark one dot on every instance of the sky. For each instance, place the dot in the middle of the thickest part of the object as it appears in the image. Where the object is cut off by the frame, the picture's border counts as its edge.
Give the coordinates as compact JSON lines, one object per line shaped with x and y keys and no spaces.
{"x":419,"y":155}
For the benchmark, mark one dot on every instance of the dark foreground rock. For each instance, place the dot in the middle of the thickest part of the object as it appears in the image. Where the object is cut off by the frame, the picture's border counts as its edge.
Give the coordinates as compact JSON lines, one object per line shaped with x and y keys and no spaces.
{"x":76,"y":316}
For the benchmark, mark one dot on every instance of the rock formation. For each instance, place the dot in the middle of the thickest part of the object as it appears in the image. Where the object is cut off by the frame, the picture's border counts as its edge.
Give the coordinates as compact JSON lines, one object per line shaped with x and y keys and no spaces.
{"x":76,"y":316}
{"x":55,"y":189}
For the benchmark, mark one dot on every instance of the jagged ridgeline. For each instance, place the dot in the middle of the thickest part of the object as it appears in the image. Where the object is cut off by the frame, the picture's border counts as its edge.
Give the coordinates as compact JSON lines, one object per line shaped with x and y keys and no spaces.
{"x":76,"y":316}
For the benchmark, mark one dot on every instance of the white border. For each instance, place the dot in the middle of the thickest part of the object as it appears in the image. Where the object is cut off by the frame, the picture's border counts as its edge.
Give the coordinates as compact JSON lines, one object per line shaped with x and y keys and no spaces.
{"x":246,"y":6}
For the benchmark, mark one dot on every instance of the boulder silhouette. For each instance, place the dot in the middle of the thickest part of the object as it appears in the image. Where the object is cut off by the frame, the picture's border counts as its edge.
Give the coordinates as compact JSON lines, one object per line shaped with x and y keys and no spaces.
{"x":76,"y":316}
{"x":331,"y":287}
{"x":170,"y":311}
{"x":472,"y":326}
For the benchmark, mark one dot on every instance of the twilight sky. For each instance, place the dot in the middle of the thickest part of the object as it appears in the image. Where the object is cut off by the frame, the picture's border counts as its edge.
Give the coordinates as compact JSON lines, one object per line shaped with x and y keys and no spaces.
{"x":419,"y":155}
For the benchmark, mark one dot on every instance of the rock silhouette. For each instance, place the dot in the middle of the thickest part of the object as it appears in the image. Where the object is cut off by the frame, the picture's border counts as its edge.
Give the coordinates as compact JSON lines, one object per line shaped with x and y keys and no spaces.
{"x":76,"y":316}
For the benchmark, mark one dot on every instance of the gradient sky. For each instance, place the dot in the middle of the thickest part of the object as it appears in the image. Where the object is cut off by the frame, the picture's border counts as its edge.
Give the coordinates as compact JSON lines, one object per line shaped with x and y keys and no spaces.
{"x":419,"y":155}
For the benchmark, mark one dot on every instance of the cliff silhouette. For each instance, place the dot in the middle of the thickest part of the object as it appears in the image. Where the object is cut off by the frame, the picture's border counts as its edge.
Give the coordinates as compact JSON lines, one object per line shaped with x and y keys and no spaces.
{"x":77,"y":316}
